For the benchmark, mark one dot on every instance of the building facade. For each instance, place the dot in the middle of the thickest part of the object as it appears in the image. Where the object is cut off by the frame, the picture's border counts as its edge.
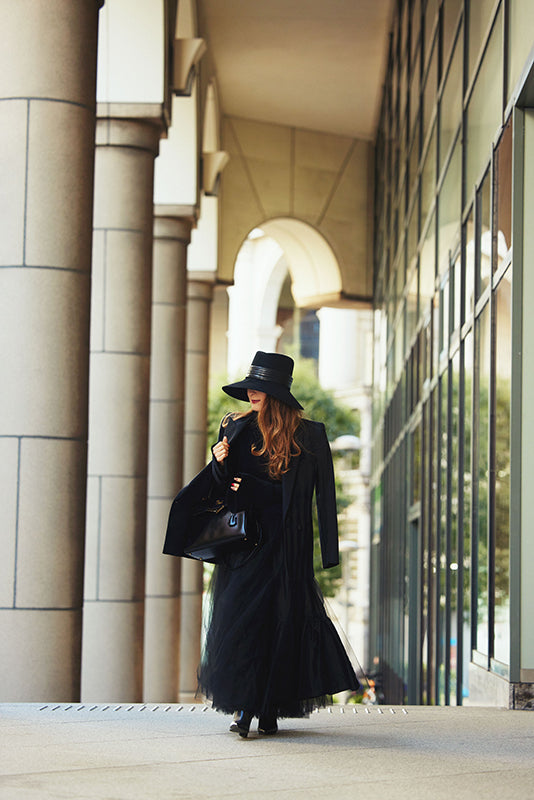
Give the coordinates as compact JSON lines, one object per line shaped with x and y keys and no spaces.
{"x":452,"y":535}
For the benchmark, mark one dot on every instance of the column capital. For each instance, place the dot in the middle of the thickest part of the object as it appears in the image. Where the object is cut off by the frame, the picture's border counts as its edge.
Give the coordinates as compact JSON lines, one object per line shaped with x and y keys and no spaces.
{"x":139,"y":132}
{"x":199,"y":289}
{"x":174,"y":222}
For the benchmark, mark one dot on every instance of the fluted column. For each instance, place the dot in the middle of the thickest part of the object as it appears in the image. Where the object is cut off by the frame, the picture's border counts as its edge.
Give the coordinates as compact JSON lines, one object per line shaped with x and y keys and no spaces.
{"x":199,"y":296}
{"x":166,"y":442}
{"x":47,"y":123}
{"x":112,"y":658}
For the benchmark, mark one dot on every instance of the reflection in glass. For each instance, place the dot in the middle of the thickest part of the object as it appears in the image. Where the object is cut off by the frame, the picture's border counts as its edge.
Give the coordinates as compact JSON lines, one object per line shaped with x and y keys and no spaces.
{"x":452,"y":556}
{"x":451,"y":103}
{"x":428,"y":178}
{"x":451,"y":10}
{"x":433,"y":554}
{"x":502,"y":200}
{"x":413,"y":232}
{"x":429,"y":92}
{"x":415,"y":90}
{"x":479,"y":15}
{"x":444,"y":323}
{"x":450,"y":209}
{"x":483,"y":253}
{"x":413,"y":164}
{"x":484,"y":112}
{"x":416,"y":24}
{"x":416,"y":464}
{"x":430,"y":20}
{"x":442,"y":547}
{"x":503,"y":378}
{"x":467,"y":509}
{"x":483,"y":355}
{"x":411,"y":306}
{"x":456,"y":277}
{"x":428,"y":266}
{"x":520,"y":27}
{"x":469,"y":265}
{"x":425,"y":589}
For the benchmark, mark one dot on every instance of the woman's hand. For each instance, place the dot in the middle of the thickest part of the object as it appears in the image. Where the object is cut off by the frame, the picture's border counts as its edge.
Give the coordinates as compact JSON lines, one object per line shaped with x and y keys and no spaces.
{"x":220,"y":450}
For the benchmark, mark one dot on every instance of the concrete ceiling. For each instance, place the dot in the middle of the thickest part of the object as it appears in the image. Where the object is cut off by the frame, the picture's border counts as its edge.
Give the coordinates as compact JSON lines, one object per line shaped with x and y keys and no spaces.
{"x":315,"y":64}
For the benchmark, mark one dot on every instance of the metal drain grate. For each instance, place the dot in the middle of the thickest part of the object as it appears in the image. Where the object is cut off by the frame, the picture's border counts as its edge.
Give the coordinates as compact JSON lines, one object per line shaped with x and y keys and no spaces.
{"x":196,"y":707}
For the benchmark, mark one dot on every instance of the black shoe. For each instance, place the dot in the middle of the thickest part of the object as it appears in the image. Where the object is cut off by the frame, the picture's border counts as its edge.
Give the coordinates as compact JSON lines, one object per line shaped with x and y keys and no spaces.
{"x":241,"y":724}
{"x":267,"y":725}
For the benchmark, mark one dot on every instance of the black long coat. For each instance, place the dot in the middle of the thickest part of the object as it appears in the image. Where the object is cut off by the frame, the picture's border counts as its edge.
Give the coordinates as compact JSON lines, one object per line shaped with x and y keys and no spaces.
{"x":309,"y":471}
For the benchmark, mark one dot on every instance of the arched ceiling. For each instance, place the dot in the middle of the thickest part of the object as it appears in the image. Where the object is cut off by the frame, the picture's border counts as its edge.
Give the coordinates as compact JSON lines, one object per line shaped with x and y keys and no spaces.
{"x":313,"y":64}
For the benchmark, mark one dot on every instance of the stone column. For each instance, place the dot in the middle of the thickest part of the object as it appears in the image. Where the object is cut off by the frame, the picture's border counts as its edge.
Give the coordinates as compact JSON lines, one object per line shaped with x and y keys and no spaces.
{"x":165,"y":453}
{"x":199,"y":296}
{"x":47,"y":123}
{"x":112,"y":656}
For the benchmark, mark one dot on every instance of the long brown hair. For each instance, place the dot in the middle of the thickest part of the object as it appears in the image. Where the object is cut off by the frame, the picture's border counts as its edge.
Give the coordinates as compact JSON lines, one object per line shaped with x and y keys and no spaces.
{"x":278,"y":425}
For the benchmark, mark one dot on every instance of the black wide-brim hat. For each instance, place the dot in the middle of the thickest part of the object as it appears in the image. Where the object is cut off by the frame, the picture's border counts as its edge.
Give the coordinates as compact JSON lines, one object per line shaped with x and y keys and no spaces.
{"x":271,"y":373}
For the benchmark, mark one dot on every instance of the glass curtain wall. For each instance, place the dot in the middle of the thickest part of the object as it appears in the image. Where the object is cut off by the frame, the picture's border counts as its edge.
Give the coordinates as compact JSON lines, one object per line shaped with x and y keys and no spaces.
{"x":442,"y":351}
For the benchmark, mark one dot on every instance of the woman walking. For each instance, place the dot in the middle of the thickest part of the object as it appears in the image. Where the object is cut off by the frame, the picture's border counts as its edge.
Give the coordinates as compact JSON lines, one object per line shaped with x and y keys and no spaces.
{"x":270,"y":650}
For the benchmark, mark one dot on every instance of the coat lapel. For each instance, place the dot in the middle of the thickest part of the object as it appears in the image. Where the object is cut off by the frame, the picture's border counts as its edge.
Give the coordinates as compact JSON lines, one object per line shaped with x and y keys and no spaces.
{"x":288,"y":482}
{"x":235,"y":427}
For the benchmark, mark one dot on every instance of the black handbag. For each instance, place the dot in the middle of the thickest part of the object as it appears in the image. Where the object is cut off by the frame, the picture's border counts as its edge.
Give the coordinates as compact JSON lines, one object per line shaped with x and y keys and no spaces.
{"x":217,"y":534}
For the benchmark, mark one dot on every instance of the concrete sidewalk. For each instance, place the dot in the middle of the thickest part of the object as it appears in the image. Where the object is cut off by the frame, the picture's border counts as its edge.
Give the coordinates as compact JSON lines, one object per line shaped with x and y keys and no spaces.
{"x":139,"y":752}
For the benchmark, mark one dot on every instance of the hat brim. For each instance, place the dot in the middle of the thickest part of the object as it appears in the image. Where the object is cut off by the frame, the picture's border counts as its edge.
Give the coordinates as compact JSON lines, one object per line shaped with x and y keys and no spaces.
{"x":239,"y":389}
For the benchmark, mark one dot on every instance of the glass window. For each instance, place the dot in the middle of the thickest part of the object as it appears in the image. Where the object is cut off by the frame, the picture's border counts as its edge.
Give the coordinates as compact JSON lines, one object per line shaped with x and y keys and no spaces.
{"x":426,"y":607}
{"x":452,"y":555}
{"x":444,"y":323}
{"x":415,"y":89}
{"x":430,"y":91}
{"x":416,"y":464}
{"x":432,"y":549}
{"x":469,"y":265}
{"x":435,"y":332}
{"x":403,"y":90}
{"x":502,"y":200}
{"x":503,"y":379}
{"x":451,"y":9}
{"x":428,"y":266}
{"x":484,"y":112}
{"x":428,"y":178}
{"x":451,"y":104}
{"x":430,"y":21}
{"x":399,"y":345}
{"x":483,"y":356}
{"x":413,"y":232}
{"x":467,"y":508}
{"x":456,"y":278}
{"x":450,"y":209}
{"x":520,"y":27}
{"x":411,"y":306}
{"x":442,"y":547}
{"x":404,"y":27}
{"x":479,"y":17}
{"x":416,"y":24}
{"x":414,"y":161}
{"x":483,"y":239}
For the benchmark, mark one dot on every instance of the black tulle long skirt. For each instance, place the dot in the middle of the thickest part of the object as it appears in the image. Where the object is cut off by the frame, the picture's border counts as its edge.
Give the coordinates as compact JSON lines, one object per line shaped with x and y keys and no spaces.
{"x":270,"y":645}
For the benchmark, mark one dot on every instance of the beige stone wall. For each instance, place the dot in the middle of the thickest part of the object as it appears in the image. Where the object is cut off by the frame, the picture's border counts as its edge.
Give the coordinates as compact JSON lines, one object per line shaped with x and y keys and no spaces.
{"x":322,"y":179}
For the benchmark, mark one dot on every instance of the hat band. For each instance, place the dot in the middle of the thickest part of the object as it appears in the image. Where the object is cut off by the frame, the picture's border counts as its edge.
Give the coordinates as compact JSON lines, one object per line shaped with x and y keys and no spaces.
{"x":266,"y":374}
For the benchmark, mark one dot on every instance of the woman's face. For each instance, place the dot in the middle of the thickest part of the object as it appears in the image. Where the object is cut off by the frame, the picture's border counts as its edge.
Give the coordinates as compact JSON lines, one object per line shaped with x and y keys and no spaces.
{"x":256,"y":399}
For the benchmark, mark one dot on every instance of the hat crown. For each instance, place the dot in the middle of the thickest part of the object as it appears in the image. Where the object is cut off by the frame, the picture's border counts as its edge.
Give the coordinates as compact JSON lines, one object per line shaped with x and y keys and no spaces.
{"x":271,"y":373}
{"x":274,"y":361}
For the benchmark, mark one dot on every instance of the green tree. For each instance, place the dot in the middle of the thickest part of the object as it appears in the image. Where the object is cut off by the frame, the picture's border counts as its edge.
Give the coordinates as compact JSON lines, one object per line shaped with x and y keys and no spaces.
{"x":320,"y":405}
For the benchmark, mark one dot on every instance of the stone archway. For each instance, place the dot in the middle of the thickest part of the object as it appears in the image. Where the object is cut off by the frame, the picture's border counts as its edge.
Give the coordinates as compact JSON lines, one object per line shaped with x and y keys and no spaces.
{"x":280,"y":247}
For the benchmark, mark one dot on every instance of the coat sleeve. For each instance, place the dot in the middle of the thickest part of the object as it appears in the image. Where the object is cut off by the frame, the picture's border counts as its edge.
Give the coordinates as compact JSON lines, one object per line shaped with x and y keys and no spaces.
{"x":325,"y":492}
{"x":176,"y":537}
{"x":219,"y":471}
